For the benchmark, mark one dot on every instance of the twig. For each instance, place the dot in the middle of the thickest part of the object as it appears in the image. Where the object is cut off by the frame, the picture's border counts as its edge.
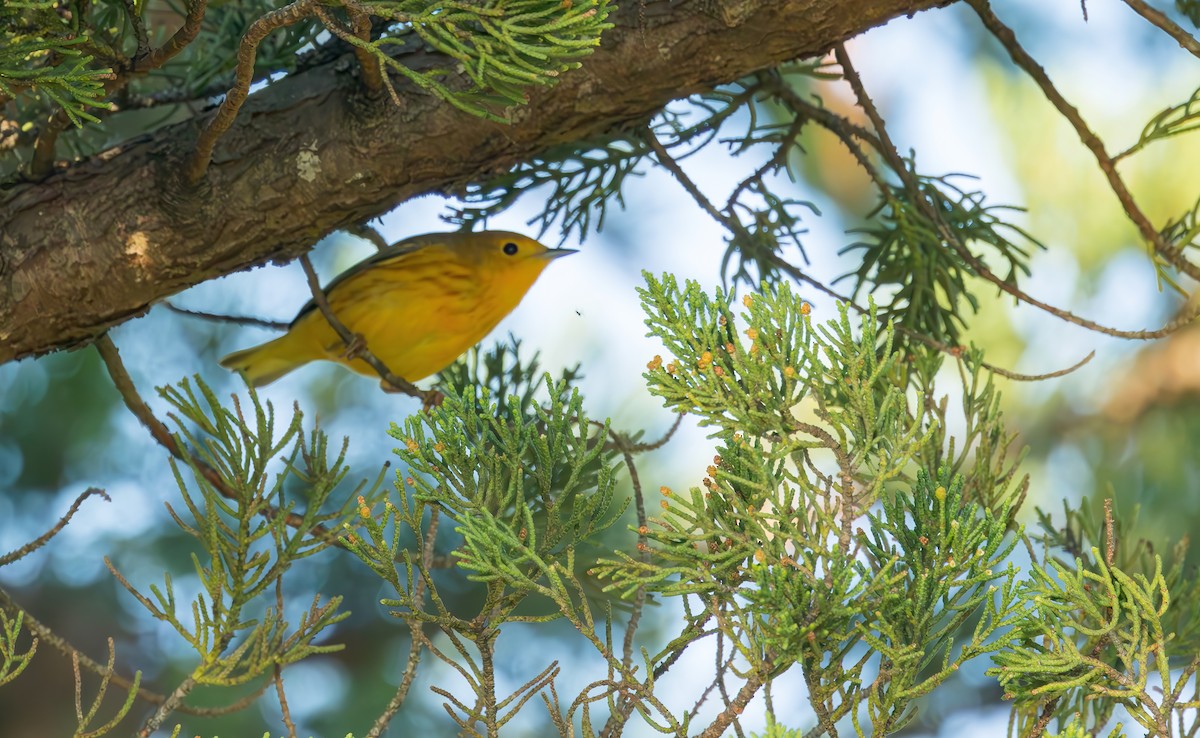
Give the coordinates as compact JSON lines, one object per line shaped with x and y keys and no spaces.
{"x":723,"y":666}
{"x":160,"y":433}
{"x":44,"y":538}
{"x":1110,"y":536}
{"x":167,"y":707}
{"x":1045,"y":718}
{"x":735,"y":708}
{"x":243,"y":77}
{"x":639,"y":502}
{"x":179,"y":40}
{"x":668,"y":162}
{"x":1166,"y":25}
{"x":355,"y":345}
{"x":139,"y":28}
{"x":616,"y":719}
{"x":892,"y":155}
{"x":275,"y":325}
{"x":43,"y":148}
{"x":367,"y":233}
{"x":416,"y":629}
{"x":1022,"y":59}
{"x":638,"y":448}
{"x":279,"y":691}
{"x":357,"y":36}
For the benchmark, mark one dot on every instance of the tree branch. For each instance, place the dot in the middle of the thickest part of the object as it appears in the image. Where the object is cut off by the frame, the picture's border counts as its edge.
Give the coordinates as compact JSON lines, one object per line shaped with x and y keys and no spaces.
{"x":100,"y":242}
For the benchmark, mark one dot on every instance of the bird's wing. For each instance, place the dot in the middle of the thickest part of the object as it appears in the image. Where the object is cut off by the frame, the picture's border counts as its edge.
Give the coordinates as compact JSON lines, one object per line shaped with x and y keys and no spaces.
{"x":395,"y":251}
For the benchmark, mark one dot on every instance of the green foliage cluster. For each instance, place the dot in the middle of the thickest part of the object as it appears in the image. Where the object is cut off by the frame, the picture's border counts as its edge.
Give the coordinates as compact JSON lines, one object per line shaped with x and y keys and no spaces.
{"x":814,"y":430}
{"x":249,"y":535}
{"x":249,"y":538}
{"x":839,"y":532}
{"x":1105,"y":628}
{"x":501,"y":47}
{"x":582,"y":182}
{"x":905,"y":252}
{"x":49,"y":57}
{"x":527,"y":489}
{"x":13,"y":662}
{"x":108,"y":63}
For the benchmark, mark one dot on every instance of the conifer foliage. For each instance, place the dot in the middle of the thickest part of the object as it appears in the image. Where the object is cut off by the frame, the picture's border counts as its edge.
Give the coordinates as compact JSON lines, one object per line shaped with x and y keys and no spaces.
{"x":855,"y":527}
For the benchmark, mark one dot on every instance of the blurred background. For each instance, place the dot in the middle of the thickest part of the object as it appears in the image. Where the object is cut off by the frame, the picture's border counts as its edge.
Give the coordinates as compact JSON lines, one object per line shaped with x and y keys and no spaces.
{"x":1126,"y":425}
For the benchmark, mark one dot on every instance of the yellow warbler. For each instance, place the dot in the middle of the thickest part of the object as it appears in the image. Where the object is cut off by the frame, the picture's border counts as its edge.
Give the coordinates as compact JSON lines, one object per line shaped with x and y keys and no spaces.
{"x":419,"y":304}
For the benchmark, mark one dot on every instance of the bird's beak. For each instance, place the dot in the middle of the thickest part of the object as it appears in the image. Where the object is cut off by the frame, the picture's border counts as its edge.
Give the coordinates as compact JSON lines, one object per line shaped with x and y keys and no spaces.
{"x":550,"y":254}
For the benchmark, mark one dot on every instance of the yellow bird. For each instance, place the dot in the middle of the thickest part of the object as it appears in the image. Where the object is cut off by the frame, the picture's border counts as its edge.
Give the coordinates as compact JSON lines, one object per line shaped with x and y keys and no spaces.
{"x":419,"y":304}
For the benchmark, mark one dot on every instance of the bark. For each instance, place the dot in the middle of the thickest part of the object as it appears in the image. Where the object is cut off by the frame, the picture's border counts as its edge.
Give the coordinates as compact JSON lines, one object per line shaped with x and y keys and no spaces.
{"x":100,"y":241}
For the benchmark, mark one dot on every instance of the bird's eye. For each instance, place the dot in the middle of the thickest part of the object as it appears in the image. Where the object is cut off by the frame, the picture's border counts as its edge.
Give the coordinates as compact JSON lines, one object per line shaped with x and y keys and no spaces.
{"x":510,"y":248}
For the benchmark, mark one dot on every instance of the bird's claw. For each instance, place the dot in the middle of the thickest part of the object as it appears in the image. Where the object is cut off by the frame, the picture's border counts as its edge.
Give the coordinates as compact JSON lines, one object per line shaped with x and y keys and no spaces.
{"x":355,"y":347}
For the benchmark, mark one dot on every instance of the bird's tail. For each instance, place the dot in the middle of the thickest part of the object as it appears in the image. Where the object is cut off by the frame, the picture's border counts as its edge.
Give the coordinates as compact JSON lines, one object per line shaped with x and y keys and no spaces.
{"x":265,"y":363}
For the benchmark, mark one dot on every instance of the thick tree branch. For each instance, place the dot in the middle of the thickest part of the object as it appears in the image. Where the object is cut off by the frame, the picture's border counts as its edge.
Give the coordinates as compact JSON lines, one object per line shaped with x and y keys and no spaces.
{"x":97,"y":244}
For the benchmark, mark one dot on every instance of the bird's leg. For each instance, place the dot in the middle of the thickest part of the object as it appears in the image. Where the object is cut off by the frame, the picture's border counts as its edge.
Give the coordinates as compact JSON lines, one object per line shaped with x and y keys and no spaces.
{"x":432,"y":399}
{"x":429,"y":399}
{"x":355,"y":347}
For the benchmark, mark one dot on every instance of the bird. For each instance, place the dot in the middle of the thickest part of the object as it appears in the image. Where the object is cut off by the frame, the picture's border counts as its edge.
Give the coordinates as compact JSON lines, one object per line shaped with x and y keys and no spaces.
{"x":417,"y":305}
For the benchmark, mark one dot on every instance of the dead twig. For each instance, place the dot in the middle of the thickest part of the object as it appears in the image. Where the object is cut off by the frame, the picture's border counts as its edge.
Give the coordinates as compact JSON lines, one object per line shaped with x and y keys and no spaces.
{"x":275,"y":325}
{"x":44,"y":538}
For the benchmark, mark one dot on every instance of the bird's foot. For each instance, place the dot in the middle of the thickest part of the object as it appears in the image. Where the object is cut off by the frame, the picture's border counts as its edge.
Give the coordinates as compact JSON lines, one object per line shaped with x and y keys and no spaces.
{"x":432,"y":399}
{"x":429,"y":398}
{"x":355,"y":347}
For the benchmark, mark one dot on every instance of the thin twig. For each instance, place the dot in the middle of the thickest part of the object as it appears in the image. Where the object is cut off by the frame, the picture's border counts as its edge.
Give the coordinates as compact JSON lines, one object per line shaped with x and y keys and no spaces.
{"x":355,"y":345}
{"x":722,"y":667}
{"x":1044,"y":719}
{"x":357,"y":36}
{"x":616,"y":720}
{"x":368,"y":233}
{"x":911,"y":186}
{"x":275,"y":325}
{"x":44,"y":538}
{"x":139,"y":27}
{"x":160,"y":433}
{"x":167,"y":707}
{"x":1022,"y":59}
{"x":44,"y":147}
{"x":243,"y":77}
{"x":1166,"y":25}
{"x":417,"y":631}
{"x":639,"y":502}
{"x":668,"y":162}
{"x":735,"y":708}
{"x":638,"y":448}
{"x":179,"y":40}
{"x":1110,"y":536}
{"x":279,"y":691}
